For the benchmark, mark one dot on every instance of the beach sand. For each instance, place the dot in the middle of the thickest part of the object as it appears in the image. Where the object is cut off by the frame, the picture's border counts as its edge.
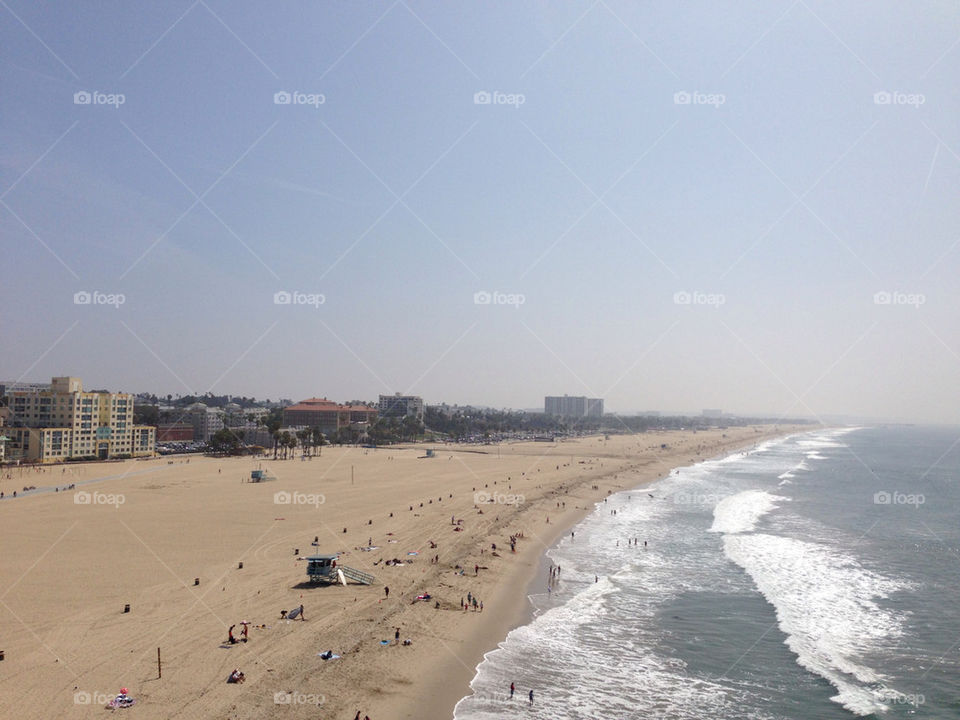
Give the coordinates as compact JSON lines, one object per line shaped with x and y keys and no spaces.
{"x":151,"y":527}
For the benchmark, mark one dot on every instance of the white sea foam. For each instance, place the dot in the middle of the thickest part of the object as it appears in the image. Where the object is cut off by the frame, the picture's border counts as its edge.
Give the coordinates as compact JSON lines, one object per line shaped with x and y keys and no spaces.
{"x":825,"y":603}
{"x":741,"y":512}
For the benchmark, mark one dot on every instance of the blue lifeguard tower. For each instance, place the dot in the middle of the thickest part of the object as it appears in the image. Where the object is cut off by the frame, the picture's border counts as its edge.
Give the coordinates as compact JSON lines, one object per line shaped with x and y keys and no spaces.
{"x":324,"y":569}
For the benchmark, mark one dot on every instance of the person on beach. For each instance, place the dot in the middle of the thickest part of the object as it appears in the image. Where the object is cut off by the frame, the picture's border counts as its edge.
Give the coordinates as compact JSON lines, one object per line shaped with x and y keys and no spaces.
{"x":531,"y":697}
{"x":301,"y":613}
{"x":396,"y":636}
{"x":512,"y":689}
{"x":386,"y":591}
{"x":230,"y":638}
{"x":246,"y":629}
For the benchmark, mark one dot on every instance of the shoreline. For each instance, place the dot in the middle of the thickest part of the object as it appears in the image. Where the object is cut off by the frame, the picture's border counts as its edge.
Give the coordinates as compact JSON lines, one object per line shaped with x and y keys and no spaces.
{"x":520,"y":610}
{"x":181,"y":521}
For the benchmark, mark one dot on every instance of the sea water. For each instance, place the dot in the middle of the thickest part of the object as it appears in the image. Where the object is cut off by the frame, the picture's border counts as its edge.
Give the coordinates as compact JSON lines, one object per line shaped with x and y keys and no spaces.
{"x":815,"y":576}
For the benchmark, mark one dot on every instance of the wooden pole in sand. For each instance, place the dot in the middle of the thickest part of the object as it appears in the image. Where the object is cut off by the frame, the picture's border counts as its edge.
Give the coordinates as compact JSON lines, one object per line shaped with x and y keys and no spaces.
{"x":159,"y":669}
{"x":351,"y":474}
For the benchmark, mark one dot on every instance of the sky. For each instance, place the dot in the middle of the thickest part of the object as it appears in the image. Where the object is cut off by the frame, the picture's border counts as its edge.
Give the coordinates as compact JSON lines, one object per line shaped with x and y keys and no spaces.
{"x":673,"y":206}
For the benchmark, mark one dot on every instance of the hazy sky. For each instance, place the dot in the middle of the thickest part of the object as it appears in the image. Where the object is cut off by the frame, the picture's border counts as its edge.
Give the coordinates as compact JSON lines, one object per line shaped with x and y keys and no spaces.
{"x":673,"y":205}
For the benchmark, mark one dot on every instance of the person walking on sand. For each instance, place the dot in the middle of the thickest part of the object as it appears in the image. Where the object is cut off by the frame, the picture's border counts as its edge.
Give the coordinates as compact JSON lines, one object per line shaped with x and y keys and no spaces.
{"x":531,"y":697}
{"x":230,"y":638}
{"x":396,"y":636}
{"x":512,"y":689}
{"x":357,"y":716}
{"x":386,"y":591}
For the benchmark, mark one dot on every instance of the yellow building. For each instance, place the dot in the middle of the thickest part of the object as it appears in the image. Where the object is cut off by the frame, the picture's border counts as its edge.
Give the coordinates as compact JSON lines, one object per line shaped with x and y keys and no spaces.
{"x":66,"y":423}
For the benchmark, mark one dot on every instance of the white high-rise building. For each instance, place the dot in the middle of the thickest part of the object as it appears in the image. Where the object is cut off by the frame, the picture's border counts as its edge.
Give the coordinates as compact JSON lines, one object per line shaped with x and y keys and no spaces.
{"x":572,"y":406}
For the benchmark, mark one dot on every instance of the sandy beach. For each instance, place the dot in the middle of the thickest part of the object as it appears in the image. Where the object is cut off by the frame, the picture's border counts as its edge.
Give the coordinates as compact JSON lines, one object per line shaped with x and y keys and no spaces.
{"x":151,"y":527}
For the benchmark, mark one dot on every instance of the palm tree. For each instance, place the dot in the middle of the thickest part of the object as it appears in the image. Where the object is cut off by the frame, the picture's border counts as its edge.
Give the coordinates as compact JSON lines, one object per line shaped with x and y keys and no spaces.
{"x":304,"y":437}
{"x":276,"y":442}
{"x":318,"y":439}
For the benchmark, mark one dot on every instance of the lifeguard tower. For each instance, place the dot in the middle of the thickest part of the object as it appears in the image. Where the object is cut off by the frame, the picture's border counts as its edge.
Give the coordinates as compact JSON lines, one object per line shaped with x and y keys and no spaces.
{"x":324,"y":569}
{"x":258,"y":476}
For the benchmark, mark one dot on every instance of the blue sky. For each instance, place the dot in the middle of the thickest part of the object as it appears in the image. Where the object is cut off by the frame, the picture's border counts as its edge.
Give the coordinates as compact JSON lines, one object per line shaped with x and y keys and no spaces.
{"x":722,"y":252}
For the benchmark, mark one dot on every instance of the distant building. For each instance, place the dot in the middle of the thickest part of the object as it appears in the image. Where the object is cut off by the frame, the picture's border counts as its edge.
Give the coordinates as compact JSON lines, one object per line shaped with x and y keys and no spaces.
{"x":570,"y":406}
{"x":206,"y":421}
{"x":175,"y":432}
{"x":327,"y":415}
{"x":11,"y":386}
{"x":401,"y":406}
{"x":63,"y":422}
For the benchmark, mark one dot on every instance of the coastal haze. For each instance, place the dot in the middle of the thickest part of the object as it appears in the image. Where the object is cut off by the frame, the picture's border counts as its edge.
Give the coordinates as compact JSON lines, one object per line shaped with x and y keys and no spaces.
{"x":748,"y":207}
{"x":479,"y":360}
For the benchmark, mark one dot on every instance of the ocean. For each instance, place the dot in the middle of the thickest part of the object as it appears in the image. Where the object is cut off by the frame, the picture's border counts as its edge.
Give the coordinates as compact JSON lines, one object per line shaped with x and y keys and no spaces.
{"x":814,"y":576}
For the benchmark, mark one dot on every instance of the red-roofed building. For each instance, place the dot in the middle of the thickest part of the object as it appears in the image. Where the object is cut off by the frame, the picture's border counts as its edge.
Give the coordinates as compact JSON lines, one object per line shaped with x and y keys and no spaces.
{"x":327,"y":415}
